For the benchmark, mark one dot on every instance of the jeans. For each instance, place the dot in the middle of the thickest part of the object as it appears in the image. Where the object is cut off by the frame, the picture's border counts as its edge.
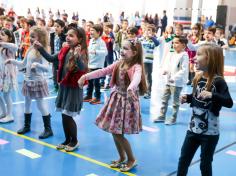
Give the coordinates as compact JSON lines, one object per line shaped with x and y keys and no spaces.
{"x":191,"y":143}
{"x":94,"y":83}
{"x":170,"y":90}
{"x":148,"y":74}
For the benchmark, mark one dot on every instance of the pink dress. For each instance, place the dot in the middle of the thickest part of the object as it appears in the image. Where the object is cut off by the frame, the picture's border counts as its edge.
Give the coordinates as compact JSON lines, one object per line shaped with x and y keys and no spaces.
{"x":119,"y":114}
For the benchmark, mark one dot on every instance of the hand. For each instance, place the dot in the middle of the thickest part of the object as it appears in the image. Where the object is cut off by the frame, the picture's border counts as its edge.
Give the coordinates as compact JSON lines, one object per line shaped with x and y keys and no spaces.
{"x":205,"y":95}
{"x":81,"y":81}
{"x":65,"y":44}
{"x":8,"y":61}
{"x":92,"y":52}
{"x":183,"y":99}
{"x":77,"y":50}
{"x":131,"y":95}
{"x":164,"y":72}
{"x":189,"y":36}
{"x":34,"y":66}
{"x":37,"y":45}
{"x":165,"y":35}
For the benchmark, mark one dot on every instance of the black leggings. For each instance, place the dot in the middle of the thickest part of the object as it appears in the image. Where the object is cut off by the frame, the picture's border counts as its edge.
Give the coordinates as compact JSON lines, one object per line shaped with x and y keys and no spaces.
{"x":191,"y":143}
{"x":70,"y":130}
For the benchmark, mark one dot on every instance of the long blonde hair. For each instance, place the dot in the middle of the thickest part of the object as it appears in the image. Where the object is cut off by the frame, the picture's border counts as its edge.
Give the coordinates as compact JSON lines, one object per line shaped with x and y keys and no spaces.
{"x":215,"y":63}
{"x":42,"y":35}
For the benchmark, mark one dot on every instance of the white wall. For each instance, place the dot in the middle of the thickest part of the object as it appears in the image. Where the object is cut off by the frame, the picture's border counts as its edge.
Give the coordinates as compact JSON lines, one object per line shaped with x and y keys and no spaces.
{"x":91,"y":9}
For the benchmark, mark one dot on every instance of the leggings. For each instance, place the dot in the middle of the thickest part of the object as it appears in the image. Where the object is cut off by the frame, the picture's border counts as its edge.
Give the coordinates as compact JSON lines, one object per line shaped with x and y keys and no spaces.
{"x":41,"y":104}
{"x":8,"y":100}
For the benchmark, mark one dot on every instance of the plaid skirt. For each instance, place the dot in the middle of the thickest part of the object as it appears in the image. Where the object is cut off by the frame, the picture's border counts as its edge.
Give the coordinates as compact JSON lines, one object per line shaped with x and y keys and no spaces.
{"x":35,"y":89}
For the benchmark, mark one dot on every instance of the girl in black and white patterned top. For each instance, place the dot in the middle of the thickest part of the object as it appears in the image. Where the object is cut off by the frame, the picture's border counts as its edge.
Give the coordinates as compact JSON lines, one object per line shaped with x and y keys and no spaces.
{"x":210,"y":93}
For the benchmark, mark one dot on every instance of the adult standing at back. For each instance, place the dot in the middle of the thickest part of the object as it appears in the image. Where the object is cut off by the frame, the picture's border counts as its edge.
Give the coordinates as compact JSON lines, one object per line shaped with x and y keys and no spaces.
{"x":163,"y":22}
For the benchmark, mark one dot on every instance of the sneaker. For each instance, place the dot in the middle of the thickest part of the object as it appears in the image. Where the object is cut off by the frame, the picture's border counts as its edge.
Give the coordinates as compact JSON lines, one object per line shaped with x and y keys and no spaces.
{"x":7,"y":119}
{"x":147,"y":96}
{"x":2,"y":116}
{"x":95,"y":101}
{"x":107,"y":87}
{"x":87,"y":99}
{"x":159,"y":119}
{"x":170,"y":121}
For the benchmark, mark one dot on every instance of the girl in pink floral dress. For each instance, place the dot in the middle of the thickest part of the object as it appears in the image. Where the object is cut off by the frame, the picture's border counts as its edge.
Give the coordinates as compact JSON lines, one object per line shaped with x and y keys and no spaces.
{"x":121,"y":113}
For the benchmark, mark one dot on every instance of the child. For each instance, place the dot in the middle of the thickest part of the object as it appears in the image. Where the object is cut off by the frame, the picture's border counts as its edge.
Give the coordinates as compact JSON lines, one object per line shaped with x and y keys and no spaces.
{"x":208,"y":36}
{"x":25,"y":39}
{"x":149,"y":42}
{"x":57,"y":38}
{"x":195,"y":38}
{"x":97,"y":53}
{"x":8,"y":81}
{"x":221,"y":40}
{"x":35,"y":85}
{"x":109,"y":39}
{"x":121,"y":35}
{"x":132,"y":33}
{"x":176,"y":69}
{"x":121,"y":113}
{"x":210,"y":93}
{"x":73,"y":60}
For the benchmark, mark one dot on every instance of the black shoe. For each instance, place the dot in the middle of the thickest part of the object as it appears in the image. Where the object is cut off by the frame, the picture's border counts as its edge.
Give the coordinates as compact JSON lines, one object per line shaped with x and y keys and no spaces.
{"x":23,"y":130}
{"x":87,"y":99}
{"x":27,"y":122}
{"x":47,"y":127}
{"x":47,"y":133}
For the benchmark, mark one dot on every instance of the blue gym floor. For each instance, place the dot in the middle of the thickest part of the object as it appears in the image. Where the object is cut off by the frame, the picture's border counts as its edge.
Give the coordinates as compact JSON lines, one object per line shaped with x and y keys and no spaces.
{"x":157,"y":148}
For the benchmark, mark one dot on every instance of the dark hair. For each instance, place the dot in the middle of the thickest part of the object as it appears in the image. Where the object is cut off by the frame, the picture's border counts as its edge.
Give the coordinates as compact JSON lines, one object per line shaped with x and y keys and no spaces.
{"x":43,"y":21}
{"x":182,"y":39}
{"x":211,"y":29}
{"x":180,"y":26}
{"x":80,"y":33}
{"x":109,"y":25}
{"x":125,"y":20}
{"x":60,"y":22}
{"x":72,"y":25}
{"x":91,"y":22}
{"x":11,"y":36}
{"x":152,"y":27}
{"x":30,"y":22}
{"x":98,"y":28}
{"x":132,"y":30}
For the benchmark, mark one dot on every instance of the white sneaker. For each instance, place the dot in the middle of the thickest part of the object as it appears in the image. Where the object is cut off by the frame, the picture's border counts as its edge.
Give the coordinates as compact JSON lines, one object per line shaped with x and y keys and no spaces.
{"x":2,"y":116}
{"x":170,"y":121}
{"x":7,"y":119}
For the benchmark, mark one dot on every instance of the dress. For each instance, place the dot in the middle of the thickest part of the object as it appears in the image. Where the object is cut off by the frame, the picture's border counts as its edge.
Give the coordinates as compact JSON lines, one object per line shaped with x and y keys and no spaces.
{"x":69,"y":99}
{"x":119,"y":114}
{"x":8,"y":78}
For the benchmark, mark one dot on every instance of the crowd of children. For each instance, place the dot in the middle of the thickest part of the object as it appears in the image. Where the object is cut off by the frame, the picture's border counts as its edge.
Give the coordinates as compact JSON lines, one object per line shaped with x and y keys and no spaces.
{"x":89,"y":53}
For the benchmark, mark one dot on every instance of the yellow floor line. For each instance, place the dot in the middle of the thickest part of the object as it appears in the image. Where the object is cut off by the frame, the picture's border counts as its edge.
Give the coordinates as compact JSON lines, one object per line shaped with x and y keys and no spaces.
{"x":69,"y":153}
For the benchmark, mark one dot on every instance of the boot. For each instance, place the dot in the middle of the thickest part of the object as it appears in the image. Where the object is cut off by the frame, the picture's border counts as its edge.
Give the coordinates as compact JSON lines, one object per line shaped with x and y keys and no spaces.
{"x":26,"y":127}
{"x":47,"y":127}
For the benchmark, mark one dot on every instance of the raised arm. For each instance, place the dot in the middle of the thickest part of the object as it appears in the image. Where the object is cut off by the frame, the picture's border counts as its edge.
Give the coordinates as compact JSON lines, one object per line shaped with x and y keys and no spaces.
{"x":11,"y":46}
{"x":47,"y":56}
{"x":101,"y":72}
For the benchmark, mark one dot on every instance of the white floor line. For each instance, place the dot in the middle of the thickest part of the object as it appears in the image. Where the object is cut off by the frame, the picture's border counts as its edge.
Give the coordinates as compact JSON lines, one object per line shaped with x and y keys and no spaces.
{"x":22,"y":102}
